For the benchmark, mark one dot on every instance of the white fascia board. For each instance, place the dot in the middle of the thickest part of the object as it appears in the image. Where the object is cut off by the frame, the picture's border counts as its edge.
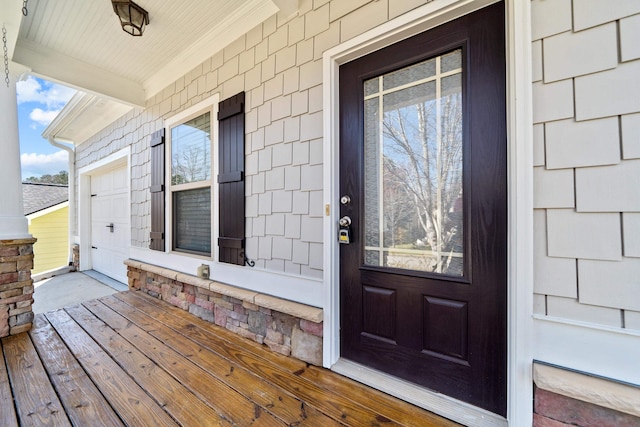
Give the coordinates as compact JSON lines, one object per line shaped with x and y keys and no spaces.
{"x":235,"y":25}
{"x":47,"y":211}
{"x":70,"y":71}
{"x":72,"y":109}
{"x":84,"y":116}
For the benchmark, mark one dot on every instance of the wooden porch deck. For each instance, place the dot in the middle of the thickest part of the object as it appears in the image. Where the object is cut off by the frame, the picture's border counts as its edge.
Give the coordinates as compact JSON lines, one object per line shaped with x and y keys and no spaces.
{"x":129,"y":359}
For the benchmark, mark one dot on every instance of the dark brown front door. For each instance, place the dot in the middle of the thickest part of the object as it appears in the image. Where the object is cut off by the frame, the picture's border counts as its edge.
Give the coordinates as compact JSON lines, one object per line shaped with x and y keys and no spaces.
{"x":423,"y":163}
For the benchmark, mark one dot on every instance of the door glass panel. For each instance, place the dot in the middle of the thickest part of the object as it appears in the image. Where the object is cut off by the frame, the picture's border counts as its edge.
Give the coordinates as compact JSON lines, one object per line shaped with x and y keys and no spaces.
{"x":371,"y":162}
{"x":451,"y":61}
{"x":411,"y":74}
{"x":413,"y":167}
{"x":371,"y":86}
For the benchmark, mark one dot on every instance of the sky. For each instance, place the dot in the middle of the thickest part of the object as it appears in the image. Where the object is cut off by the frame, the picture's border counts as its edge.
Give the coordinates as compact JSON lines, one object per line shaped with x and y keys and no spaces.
{"x":39,"y":102}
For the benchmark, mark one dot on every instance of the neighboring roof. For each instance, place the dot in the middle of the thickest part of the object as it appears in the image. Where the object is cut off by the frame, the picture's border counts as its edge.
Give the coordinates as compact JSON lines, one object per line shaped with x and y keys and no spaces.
{"x":37,"y":197}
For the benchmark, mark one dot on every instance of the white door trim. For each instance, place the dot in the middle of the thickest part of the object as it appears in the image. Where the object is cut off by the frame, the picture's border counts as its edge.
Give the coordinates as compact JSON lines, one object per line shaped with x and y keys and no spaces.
{"x":520,"y":194}
{"x":117,"y":159}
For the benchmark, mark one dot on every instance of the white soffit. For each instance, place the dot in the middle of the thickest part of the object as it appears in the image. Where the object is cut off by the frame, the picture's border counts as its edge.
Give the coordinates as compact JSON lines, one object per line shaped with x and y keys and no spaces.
{"x":84,"y":116}
{"x":80,"y":42}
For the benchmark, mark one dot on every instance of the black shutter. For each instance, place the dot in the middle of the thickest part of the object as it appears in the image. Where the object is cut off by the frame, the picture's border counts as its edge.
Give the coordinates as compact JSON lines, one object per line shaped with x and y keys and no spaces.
{"x":231,"y":179}
{"x":157,"y":191}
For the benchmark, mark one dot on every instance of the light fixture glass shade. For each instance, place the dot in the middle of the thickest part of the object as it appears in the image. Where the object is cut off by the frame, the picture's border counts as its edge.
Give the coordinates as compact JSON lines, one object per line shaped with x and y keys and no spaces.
{"x":133,"y":18}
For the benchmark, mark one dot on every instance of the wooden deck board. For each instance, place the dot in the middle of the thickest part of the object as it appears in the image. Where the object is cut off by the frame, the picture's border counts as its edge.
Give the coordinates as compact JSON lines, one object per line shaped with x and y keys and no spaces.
{"x":383,"y":405}
{"x":283,"y":372}
{"x":36,"y":401}
{"x":170,"y":394}
{"x":125,"y":396}
{"x":7,"y":410}
{"x":129,"y":359}
{"x":204,"y":364}
{"x":81,"y":399}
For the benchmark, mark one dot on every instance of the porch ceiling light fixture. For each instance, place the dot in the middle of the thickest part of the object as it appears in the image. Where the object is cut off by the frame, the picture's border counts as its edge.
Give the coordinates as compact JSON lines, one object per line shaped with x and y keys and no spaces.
{"x":133,"y":18}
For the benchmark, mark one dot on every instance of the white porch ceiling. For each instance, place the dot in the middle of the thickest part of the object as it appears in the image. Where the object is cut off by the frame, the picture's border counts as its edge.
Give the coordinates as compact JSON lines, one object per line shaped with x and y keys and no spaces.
{"x":80,"y":42}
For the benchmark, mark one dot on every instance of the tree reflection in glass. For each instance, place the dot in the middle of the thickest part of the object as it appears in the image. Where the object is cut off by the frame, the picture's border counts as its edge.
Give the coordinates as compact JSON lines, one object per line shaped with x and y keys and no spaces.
{"x":413,"y":167}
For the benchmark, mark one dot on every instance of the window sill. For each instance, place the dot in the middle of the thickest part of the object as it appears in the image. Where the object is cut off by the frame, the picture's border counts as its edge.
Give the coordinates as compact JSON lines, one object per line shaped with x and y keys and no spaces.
{"x":312,"y":314}
{"x":300,"y":289}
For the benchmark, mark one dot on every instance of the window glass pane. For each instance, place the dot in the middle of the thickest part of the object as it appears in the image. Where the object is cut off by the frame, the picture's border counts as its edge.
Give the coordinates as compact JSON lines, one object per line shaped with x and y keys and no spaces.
{"x":192,"y":220}
{"x":371,"y":168}
{"x":410,"y":74}
{"x":413,"y":203}
{"x":371,"y":86}
{"x":191,"y":151}
{"x":451,"y":61}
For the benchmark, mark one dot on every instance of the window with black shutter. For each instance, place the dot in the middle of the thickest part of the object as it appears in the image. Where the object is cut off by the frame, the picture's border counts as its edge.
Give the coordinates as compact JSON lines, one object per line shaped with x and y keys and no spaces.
{"x":157,"y":191}
{"x":231,"y":237}
{"x":182,"y":178}
{"x":190,"y":148}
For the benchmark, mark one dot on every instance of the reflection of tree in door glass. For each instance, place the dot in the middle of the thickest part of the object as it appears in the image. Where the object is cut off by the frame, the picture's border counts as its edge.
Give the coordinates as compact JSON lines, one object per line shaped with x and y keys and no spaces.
{"x":413,"y":167}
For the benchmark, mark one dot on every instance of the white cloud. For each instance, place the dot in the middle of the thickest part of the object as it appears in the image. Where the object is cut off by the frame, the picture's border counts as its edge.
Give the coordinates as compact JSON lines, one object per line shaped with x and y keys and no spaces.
{"x":50,"y":95}
{"x":34,"y":164}
{"x":53,"y":95}
{"x":42,"y":117}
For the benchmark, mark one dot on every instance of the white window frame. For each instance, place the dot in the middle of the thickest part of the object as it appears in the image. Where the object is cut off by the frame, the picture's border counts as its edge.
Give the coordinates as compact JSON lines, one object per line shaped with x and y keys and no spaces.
{"x":209,"y":105}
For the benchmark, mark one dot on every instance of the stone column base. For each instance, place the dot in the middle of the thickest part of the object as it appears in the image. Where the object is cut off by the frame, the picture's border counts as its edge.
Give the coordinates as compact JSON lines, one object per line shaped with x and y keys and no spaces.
{"x":16,"y":286}
{"x":75,"y":265}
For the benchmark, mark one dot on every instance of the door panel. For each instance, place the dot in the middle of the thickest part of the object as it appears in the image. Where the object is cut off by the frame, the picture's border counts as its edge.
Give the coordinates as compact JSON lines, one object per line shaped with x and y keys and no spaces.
{"x":423,"y":160}
{"x":110,"y":206}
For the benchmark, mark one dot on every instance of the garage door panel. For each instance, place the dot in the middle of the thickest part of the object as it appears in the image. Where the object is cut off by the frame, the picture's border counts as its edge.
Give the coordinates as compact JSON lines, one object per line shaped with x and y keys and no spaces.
{"x":119,"y":211}
{"x":119,"y":238}
{"x":99,"y":183}
{"x":110,"y":205}
{"x":100,"y":238}
{"x":100,"y":208}
{"x":119,"y":180}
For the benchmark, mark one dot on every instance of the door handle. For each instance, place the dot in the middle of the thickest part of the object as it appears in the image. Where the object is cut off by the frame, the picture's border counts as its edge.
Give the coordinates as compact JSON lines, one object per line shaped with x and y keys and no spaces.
{"x":110,"y":226}
{"x":344,"y":233}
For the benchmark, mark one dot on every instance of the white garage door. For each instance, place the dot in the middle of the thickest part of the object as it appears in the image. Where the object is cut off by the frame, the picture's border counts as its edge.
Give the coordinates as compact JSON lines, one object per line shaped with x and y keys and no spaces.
{"x":110,"y":223}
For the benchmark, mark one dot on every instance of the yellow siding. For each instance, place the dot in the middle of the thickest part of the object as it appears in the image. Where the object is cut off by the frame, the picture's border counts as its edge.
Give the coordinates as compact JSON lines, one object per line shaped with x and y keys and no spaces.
{"x":52,"y":232}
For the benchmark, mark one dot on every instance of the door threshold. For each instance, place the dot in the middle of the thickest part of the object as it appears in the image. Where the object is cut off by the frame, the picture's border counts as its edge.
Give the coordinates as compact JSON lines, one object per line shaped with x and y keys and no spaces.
{"x":106,"y":280}
{"x":448,"y":407}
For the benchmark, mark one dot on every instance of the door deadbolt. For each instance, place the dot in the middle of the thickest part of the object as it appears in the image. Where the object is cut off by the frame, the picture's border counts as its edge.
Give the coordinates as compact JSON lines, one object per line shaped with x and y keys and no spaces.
{"x":345,"y":200}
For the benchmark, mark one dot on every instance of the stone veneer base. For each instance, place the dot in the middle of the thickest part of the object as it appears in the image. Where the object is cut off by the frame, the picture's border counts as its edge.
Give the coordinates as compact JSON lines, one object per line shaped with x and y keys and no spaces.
{"x":286,"y":327}
{"x":568,"y":398}
{"x":16,"y":286}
